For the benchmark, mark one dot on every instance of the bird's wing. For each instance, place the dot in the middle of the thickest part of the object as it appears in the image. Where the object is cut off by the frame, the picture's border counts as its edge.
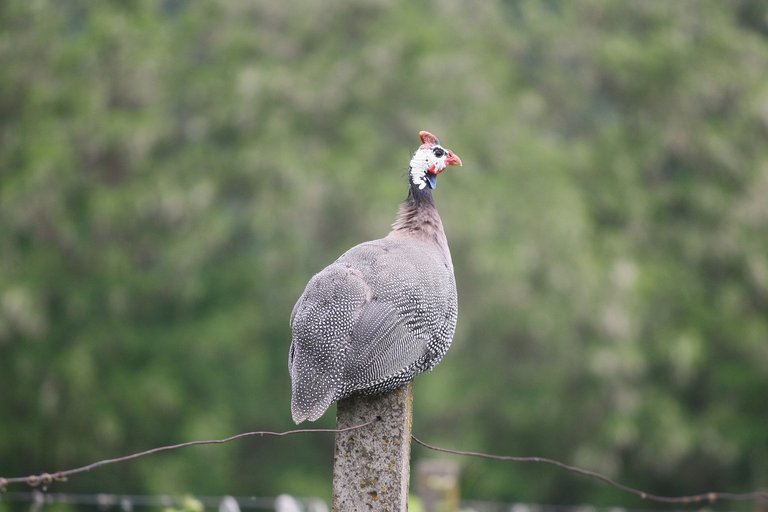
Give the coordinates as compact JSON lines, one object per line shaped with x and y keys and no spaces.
{"x":369,"y":316}
{"x":381,"y":345}
{"x":394,"y":329}
{"x":321,"y":322}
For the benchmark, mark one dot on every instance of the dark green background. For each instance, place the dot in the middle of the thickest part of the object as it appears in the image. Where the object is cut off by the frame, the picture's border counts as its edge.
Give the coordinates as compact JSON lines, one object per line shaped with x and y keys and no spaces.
{"x":172,"y":173}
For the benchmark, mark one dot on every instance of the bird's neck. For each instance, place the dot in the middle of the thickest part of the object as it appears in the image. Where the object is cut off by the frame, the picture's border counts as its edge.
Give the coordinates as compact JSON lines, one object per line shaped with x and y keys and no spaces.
{"x":418,"y":218}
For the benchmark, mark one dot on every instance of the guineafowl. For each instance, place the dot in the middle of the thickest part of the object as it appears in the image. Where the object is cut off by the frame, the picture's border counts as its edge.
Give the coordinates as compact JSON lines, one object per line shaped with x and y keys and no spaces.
{"x":384,"y":311}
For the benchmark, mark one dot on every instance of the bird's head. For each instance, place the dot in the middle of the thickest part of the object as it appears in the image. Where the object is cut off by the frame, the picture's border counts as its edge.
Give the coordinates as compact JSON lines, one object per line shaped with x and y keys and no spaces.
{"x":430,"y":160}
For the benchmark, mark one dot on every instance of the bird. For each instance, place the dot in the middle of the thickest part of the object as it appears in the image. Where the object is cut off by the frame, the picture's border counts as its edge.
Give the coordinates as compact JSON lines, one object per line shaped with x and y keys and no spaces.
{"x":385,"y":310}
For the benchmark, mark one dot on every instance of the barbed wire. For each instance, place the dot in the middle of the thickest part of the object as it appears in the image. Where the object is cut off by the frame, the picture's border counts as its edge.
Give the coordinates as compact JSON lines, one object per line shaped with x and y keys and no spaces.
{"x":61,"y":476}
{"x":46,"y":479}
{"x":710,"y":497}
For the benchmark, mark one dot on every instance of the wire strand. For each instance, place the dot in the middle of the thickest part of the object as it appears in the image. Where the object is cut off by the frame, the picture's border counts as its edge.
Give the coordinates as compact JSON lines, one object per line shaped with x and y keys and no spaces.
{"x":709,"y":497}
{"x":46,"y":479}
{"x":60,"y":476}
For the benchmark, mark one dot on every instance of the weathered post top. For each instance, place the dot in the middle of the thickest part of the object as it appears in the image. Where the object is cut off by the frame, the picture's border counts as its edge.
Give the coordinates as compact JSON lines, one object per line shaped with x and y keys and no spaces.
{"x":371,"y":465}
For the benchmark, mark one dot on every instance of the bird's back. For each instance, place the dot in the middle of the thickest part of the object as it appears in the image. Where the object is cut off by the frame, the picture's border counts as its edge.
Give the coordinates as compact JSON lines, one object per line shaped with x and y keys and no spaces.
{"x":383,"y":312}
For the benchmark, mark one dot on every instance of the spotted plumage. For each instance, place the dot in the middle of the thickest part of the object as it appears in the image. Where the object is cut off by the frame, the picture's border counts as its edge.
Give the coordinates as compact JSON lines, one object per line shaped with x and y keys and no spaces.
{"x":384,"y":311}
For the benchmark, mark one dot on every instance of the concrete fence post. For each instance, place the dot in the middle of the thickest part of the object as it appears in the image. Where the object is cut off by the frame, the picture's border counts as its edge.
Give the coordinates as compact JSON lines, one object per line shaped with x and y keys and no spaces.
{"x":371,"y":466}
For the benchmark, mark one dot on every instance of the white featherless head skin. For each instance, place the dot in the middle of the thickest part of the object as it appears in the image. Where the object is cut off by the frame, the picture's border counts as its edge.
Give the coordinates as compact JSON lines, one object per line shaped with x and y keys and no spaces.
{"x":430,"y":159}
{"x":422,"y":160}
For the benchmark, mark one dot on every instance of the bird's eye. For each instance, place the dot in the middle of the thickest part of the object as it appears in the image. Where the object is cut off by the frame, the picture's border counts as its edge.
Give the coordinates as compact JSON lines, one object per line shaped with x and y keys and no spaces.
{"x":438,"y":152}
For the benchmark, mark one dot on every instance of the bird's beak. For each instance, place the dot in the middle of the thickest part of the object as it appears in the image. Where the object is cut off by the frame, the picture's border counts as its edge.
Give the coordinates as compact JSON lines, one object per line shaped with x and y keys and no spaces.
{"x":452,"y":159}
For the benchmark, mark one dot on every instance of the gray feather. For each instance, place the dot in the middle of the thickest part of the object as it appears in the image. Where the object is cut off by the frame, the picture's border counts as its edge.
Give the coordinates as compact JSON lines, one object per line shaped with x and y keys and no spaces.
{"x":383,"y":312}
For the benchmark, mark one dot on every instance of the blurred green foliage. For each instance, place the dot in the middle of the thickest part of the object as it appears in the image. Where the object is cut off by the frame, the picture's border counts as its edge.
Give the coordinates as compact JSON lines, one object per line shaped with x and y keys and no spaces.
{"x":172,"y":173}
